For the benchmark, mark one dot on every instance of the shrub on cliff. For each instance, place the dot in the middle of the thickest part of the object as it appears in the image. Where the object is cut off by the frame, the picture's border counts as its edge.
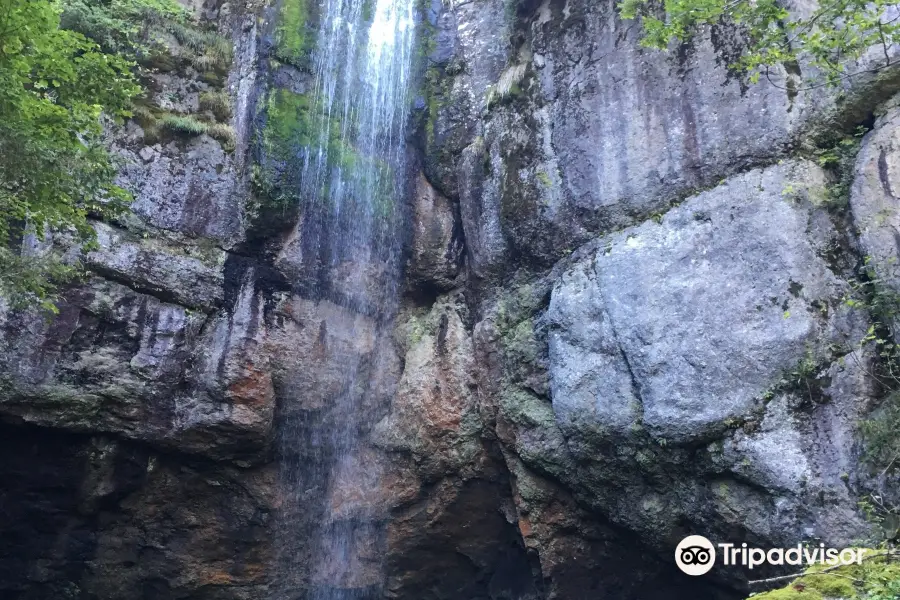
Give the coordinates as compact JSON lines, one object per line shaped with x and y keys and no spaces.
{"x":826,"y":38}
{"x":54,"y":169}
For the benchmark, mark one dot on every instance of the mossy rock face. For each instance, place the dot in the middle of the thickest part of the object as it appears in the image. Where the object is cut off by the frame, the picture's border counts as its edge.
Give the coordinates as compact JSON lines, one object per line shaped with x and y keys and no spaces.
{"x":445,"y":125}
{"x":294,"y":39}
{"x":293,"y":124}
{"x":289,"y":124}
{"x":876,"y":578}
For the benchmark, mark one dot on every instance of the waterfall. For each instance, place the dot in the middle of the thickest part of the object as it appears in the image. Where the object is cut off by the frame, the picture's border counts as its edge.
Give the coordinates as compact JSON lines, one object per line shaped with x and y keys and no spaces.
{"x":352,"y":187}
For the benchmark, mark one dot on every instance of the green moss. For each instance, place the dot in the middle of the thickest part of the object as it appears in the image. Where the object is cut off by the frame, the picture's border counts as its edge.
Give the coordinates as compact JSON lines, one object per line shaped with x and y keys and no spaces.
{"x":293,"y":122}
{"x":790,"y":593}
{"x":830,"y":586}
{"x":520,"y":343}
{"x":414,"y":329}
{"x":288,"y":123}
{"x":877,"y":578}
{"x":292,"y":36}
{"x":435,"y":97}
{"x":526,"y":409}
{"x":519,"y":304}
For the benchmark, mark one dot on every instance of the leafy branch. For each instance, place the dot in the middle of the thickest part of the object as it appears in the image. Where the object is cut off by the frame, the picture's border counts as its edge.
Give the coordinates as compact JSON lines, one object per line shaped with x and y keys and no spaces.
{"x":832,"y":36}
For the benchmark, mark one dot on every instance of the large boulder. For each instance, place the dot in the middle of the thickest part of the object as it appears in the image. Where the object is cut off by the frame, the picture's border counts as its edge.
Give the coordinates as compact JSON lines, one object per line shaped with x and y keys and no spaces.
{"x":875,"y":204}
{"x":699,"y":373}
{"x":682,"y":325}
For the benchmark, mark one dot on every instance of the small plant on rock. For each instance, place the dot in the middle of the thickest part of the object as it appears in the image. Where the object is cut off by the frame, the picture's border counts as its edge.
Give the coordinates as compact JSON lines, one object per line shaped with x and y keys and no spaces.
{"x":184,"y":125}
{"x":218,"y":103}
{"x":225,"y":134}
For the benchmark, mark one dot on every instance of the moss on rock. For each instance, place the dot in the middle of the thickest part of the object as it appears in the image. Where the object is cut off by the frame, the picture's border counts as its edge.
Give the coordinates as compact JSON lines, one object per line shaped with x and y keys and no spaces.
{"x":293,"y":42}
{"x":876,"y":578}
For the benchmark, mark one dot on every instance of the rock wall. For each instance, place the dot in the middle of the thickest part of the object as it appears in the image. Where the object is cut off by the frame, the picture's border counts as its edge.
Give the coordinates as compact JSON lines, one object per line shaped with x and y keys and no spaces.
{"x":625,"y":319}
{"x":663,"y":282}
{"x":137,"y":422}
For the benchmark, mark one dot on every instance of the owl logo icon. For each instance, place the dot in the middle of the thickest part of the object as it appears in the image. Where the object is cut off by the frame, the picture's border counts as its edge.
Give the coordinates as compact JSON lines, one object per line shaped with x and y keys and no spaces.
{"x":695,"y":555}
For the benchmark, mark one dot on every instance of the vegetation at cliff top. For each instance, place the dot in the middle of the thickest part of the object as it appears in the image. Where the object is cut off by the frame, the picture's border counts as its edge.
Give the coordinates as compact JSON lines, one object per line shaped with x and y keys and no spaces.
{"x":65,"y":66}
{"x":54,"y":168}
{"x":140,"y":29}
{"x":827,"y":38}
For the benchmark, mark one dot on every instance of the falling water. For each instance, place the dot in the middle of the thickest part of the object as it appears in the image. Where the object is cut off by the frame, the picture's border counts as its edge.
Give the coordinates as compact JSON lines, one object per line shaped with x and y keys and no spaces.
{"x":352,"y":188}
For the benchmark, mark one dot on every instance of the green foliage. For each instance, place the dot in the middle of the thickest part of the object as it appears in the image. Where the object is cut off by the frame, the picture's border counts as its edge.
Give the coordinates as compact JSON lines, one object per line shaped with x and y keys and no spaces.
{"x":183,"y":125}
{"x":839,"y":157}
{"x":121,"y":26}
{"x":826,"y":38}
{"x":54,"y":169}
{"x":139,"y":29}
{"x":159,"y":125}
{"x":28,"y":280}
{"x":882,"y":445}
{"x":209,"y":50}
{"x":218,"y":103}
{"x":873,"y":293}
{"x":879,"y":432}
{"x":225,"y":134}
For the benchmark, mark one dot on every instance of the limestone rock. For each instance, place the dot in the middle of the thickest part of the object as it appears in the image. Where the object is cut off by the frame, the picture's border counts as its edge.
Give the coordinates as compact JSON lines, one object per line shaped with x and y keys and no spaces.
{"x":577,"y":130}
{"x":697,"y":370}
{"x":194,"y":191}
{"x":436,"y":243}
{"x":875,"y":204}
{"x":690,"y":321}
{"x":191,"y":276}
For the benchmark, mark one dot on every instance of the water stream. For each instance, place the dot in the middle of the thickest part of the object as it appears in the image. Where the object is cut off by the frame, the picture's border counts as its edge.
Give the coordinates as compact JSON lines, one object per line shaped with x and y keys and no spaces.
{"x":352,"y":187}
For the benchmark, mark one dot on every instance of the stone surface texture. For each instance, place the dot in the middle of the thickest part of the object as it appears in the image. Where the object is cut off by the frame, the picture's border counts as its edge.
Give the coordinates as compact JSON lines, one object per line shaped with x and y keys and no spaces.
{"x":632,"y":310}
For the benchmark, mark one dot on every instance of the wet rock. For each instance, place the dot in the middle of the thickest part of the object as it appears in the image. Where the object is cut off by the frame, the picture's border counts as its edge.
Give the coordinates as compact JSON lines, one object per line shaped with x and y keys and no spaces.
{"x":451,"y":527}
{"x":437,"y":246}
{"x":122,"y":362}
{"x":434,"y":415}
{"x":470,"y":50}
{"x":235,"y":398}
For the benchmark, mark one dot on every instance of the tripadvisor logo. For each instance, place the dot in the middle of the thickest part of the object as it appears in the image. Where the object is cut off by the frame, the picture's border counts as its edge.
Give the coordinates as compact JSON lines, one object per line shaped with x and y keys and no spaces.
{"x":696,"y":555}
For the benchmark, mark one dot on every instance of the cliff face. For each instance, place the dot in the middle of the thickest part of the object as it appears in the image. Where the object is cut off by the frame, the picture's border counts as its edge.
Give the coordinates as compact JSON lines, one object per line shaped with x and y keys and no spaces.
{"x":625,"y":319}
